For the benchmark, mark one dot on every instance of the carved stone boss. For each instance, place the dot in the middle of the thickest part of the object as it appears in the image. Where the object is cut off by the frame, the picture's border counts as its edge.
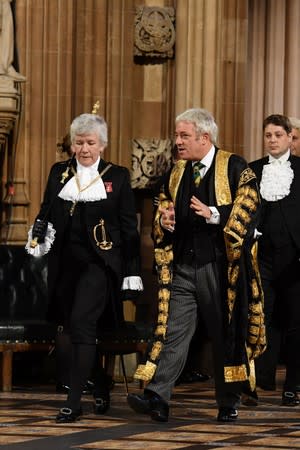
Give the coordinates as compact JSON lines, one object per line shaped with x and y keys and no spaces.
{"x":154,"y":32}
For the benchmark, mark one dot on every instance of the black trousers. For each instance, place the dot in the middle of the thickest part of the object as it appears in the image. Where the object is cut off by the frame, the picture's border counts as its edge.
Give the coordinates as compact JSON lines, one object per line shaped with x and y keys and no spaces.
{"x":81,"y":297}
{"x":195,"y":290}
{"x":282,"y":317}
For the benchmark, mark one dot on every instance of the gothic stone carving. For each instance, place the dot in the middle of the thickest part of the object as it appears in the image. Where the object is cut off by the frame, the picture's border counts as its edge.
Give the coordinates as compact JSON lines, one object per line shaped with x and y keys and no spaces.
{"x":154,"y":32}
{"x":151,"y":158}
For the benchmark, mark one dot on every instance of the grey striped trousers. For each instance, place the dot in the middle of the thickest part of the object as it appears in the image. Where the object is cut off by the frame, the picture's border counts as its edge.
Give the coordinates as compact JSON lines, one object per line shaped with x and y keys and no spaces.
{"x":195,"y":290}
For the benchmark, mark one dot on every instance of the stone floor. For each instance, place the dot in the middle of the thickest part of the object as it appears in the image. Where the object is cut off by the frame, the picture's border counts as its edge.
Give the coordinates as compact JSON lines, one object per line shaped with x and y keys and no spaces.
{"x":27,"y":422}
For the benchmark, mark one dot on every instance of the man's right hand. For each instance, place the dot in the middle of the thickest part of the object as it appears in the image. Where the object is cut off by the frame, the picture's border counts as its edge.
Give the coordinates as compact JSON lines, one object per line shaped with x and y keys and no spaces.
{"x":167,"y":218}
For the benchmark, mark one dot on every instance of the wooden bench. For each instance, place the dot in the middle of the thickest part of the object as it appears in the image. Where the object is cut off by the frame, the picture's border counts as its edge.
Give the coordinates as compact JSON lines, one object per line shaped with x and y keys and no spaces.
{"x":23,"y":327}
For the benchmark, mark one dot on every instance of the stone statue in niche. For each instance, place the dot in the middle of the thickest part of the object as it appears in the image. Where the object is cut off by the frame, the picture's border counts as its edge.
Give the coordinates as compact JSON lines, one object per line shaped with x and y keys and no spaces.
{"x":151,"y":158}
{"x":7,"y":42}
{"x":154,"y":32}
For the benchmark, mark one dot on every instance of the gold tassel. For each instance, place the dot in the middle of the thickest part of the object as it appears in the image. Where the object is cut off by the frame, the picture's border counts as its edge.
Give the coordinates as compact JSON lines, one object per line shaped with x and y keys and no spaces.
{"x":145,"y":372}
{"x":252,"y":378}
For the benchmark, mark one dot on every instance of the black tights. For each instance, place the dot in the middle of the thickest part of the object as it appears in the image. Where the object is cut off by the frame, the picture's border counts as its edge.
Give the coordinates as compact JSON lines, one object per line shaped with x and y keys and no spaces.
{"x":83,"y":357}
{"x":63,"y":350}
{"x":74,"y":364}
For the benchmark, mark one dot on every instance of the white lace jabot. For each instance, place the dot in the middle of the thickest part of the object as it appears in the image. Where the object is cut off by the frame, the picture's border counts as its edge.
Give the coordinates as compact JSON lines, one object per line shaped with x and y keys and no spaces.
{"x":276,"y":180}
{"x":96,"y":191}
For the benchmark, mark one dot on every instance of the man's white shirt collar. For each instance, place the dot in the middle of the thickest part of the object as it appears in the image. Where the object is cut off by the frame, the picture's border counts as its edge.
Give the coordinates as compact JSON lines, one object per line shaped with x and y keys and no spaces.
{"x":207,"y":160}
{"x":282,"y":158}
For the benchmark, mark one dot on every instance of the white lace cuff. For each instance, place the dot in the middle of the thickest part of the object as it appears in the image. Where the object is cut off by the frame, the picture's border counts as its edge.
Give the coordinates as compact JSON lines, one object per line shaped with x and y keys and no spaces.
{"x":41,"y":249}
{"x":133,"y":283}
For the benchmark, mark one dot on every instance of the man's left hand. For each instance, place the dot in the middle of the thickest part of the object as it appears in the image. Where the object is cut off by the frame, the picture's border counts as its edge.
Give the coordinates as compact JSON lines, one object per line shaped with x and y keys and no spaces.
{"x":200,"y":208}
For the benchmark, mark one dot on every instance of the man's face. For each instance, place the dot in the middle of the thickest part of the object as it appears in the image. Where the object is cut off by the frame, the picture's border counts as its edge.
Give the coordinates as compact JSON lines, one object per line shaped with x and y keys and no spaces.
{"x":295,"y":146}
{"x":277,"y":141}
{"x":190,"y":145}
{"x":87,"y":148}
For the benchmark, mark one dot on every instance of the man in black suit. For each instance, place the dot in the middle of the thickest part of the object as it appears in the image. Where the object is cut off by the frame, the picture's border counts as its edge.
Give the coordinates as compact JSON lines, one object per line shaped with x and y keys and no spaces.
{"x":203,"y":234}
{"x":88,"y":223}
{"x":279,"y":250}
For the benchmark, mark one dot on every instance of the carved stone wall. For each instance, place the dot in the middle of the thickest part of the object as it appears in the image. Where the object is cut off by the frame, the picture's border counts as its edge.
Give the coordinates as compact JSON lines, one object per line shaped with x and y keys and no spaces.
{"x":151,"y":159}
{"x":211,"y":61}
{"x":76,"y":52}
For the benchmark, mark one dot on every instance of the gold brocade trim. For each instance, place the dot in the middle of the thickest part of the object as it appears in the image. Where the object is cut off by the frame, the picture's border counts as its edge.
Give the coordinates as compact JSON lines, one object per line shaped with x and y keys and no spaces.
{"x":145,"y":372}
{"x":246,"y":176}
{"x":231,"y":296}
{"x":235,"y":373}
{"x":256,"y":308}
{"x":175,"y":178}
{"x":158,"y":232}
{"x":164,"y":296}
{"x":254,"y":255}
{"x":165,"y":275}
{"x":244,"y":208}
{"x":162,"y":318}
{"x":233,"y":274}
{"x":254,"y":288}
{"x":256,"y":311}
{"x":163,"y":259}
{"x":252,"y":377}
{"x":256,"y":319}
{"x":161,"y":330}
{"x":235,"y":230}
{"x":163,"y":256}
{"x":256,"y":330}
{"x":222,"y":188}
{"x":155,"y":351}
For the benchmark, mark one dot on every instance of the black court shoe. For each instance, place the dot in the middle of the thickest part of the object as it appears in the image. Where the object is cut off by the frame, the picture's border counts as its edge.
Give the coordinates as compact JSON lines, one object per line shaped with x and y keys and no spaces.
{"x":62,"y":388}
{"x":89,"y":388}
{"x":102,"y":403}
{"x":151,"y":404}
{"x":290,"y":398}
{"x":227,"y":414}
{"x":68,"y":415}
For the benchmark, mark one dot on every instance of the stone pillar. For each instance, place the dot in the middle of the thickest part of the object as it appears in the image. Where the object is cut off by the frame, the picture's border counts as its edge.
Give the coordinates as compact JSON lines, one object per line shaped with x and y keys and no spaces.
{"x":197,"y":46}
{"x":211,"y":60}
{"x":292,"y":57}
{"x":273,"y":67}
{"x":44,"y":36}
{"x":12,"y":193}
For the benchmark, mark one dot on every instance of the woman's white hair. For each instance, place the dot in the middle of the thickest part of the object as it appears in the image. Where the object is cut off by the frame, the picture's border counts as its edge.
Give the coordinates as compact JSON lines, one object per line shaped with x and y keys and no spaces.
{"x":89,"y":123}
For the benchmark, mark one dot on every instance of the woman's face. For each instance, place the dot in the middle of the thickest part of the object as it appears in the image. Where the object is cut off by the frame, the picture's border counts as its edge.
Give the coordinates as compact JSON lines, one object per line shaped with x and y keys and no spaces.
{"x":87,"y":148}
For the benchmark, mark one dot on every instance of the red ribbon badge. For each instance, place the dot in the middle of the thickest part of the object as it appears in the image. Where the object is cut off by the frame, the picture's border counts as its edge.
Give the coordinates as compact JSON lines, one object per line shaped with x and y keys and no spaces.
{"x":108,"y":186}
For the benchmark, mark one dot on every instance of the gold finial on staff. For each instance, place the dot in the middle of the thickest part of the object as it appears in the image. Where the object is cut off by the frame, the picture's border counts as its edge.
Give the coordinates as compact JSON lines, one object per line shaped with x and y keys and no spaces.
{"x":96,"y":107}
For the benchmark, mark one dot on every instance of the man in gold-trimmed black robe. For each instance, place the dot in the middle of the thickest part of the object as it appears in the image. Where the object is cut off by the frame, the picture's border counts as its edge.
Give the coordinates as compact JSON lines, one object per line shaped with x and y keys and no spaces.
{"x":204,"y":250}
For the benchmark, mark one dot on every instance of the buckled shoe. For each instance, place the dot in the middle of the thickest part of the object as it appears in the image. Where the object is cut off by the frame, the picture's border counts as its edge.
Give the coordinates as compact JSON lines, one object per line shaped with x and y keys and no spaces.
{"x":227,"y":414}
{"x":290,"y":398}
{"x":68,"y":415}
{"x":102,"y":404}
